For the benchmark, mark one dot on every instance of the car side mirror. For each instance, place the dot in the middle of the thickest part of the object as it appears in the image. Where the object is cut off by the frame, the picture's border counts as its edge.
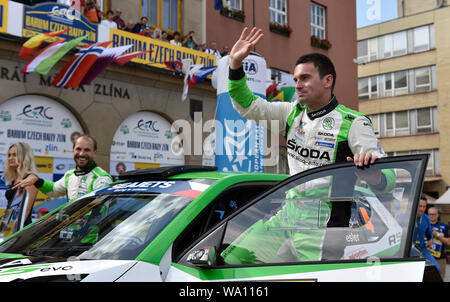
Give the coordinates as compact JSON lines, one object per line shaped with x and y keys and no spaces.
{"x":203,"y":257}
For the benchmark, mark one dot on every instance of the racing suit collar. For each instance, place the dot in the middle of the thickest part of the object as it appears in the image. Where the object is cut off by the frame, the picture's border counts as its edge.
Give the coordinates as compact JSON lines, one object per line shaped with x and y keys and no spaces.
{"x":86,"y":169}
{"x":332,"y":104}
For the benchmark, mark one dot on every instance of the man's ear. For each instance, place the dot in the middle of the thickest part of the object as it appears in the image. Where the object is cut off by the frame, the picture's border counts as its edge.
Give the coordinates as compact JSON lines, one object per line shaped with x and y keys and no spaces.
{"x":328,"y":81}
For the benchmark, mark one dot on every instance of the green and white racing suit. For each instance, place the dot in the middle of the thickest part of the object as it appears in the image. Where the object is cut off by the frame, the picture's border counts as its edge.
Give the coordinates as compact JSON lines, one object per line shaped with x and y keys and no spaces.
{"x":314,"y":138}
{"x":76,"y":183}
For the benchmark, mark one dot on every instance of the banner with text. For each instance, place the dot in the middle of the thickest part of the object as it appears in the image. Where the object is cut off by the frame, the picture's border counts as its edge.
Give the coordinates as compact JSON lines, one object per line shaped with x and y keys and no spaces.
{"x":144,"y":140}
{"x":53,"y":17}
{"x":160,"y":51}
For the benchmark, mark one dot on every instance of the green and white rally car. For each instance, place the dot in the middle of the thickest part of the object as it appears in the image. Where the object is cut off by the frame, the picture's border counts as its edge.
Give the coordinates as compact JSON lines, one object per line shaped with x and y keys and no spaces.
{"x":193,"y":223}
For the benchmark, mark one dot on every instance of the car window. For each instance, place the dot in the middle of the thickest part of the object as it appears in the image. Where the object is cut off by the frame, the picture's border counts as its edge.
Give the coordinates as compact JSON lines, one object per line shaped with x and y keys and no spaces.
{"x":225,"y":204}
{"x":109,"y":226}
{"x":330,"y":215}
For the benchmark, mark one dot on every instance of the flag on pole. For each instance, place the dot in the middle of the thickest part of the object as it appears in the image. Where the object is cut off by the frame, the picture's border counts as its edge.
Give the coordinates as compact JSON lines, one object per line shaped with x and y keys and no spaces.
{"x":219,"y":4}
{"x":195,"y":75}
{"x":126,"y":57}
{"x":34,"y":42}
{"x":174,"y":65}
{"x":73,"y":72}
{"x":44,"y":60}
{"x":105,"y":59}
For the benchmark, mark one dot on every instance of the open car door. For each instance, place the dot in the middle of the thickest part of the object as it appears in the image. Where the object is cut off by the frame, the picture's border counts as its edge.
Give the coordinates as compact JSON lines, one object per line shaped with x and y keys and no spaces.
{"x":332,"y":223}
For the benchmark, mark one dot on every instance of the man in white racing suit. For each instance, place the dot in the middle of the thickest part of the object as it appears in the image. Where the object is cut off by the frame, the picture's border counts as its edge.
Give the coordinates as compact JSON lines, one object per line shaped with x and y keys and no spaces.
{"x":76,"y":182}
{"x":317,"y":128}
{"x":318,"y":131}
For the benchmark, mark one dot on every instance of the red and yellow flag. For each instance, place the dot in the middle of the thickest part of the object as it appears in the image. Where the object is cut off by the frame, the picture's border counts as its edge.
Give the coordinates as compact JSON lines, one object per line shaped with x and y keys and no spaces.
{"x":34,"y":42}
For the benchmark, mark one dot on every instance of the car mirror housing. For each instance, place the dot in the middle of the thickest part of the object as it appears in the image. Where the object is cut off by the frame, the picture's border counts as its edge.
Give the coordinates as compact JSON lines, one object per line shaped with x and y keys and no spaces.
{"x":203,"y":257}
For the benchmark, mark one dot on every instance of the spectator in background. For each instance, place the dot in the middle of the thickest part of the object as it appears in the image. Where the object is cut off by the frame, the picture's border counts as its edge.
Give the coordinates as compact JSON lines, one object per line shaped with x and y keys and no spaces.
{"x":119,"y":21}
{"x":423,"y":234}
{"x":146,"y":32}
{"x":441,"y":239}
{"x":130,"y":26}
{"x":164,"y":36}
{"x":190,"y":41}
{"x":18,"y":165}
{"x":176,"y":39}
{"x":157,"y":33}
{"x":212,"y":50}
{"x":225,"y":51}
{"x":108,"y":22}
{"x":92,"y":11}
{"x":141,"y":25}
{"x":202,"y":47}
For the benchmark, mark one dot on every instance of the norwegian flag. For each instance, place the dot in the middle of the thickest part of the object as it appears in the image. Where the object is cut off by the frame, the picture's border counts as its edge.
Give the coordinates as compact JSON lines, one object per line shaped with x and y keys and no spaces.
{"x":74,"y":71}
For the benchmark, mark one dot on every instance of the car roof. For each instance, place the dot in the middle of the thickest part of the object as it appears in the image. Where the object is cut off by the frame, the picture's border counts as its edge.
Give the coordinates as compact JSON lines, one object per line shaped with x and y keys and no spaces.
{"x":195,"y":172}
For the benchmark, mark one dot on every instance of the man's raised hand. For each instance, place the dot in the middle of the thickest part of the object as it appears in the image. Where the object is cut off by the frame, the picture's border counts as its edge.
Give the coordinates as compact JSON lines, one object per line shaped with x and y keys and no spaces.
{"x":244,"y":45}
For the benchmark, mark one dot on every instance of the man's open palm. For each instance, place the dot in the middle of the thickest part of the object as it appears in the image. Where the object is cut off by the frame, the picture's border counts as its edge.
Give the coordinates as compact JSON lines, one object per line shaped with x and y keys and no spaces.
{"x":243,"y":46}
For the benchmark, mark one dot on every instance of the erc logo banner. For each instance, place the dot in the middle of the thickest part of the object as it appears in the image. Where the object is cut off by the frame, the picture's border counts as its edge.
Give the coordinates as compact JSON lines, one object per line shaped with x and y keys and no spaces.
{"x":160,"y":51}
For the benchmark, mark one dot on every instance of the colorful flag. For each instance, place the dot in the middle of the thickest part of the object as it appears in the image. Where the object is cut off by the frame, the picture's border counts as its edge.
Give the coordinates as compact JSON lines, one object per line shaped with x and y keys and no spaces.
{"x":195,"y":75}
{"x":126,"y":57}
{"x":73,"y":72}
{"x":34,"y":42}
{"x":105,"y":59}
{"x":174,"y":65}
{"x":280,"y":92}
{"x":219,"y":4}
{"x":44,"y":60}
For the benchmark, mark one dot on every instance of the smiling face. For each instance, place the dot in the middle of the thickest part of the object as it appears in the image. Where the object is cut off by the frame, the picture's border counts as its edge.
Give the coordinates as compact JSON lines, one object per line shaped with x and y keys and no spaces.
{"x":312,"y":90}
{"x":83,"y":151}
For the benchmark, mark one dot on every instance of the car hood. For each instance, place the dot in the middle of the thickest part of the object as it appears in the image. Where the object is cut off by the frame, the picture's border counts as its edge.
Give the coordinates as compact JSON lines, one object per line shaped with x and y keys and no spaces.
{"x":64,"y":270}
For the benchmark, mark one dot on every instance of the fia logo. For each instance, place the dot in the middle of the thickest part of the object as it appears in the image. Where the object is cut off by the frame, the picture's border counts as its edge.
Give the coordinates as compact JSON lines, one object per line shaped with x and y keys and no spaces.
{"x":250,"y":66}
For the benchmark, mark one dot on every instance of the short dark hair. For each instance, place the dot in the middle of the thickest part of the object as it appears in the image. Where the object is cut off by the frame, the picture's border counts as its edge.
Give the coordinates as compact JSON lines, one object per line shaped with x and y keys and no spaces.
{"x":94,"y":142}
{"x":322,"y":63}
{"x":109,"y":12}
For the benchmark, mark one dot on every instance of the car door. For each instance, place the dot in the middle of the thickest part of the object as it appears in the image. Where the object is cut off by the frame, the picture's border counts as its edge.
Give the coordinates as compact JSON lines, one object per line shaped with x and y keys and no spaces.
{"x":332,"y":223}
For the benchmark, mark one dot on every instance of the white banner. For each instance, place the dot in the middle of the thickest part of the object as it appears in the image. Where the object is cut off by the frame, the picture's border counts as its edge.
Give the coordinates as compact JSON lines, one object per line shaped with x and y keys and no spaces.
{"x":46,"y":125}
{"x":145,"y":138}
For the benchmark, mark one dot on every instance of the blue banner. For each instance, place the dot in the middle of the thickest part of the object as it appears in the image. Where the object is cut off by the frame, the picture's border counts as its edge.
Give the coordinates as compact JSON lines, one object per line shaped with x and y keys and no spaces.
{"x":239,"y":143}
{"x":53,"y":17}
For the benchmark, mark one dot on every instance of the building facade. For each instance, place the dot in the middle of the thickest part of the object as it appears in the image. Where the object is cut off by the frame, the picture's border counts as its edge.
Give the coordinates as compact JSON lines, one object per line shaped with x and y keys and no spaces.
{"x":403,"y":70}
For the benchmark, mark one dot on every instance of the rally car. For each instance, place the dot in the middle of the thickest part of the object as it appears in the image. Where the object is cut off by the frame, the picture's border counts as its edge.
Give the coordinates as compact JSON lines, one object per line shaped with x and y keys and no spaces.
{"x":194,"y":223}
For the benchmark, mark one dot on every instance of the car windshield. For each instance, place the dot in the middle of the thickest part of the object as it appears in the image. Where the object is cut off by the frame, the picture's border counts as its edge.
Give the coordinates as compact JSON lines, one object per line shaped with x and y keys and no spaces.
{"x":108,"y":226}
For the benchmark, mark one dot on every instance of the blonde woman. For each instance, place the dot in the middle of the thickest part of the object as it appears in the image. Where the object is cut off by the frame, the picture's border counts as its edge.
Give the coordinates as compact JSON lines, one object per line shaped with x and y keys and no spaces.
{"x":18,"y":165}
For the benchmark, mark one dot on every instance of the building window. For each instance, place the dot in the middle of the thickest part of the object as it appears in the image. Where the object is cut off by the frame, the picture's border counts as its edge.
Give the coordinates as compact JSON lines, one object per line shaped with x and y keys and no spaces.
{"x":397,"y":123}
{"x":400,"y":82}
{"x":396,"y":44}
{"x":376,"y":124}
{"x":416,"y":121}
{"x":421,"y":38}
{"x":424,"y":120}
{"x":234,"y":5}
{"x":278,"y":12}
{"x":318,"y":19}
{"x":422,"y":78}
{"x":162,"y":13}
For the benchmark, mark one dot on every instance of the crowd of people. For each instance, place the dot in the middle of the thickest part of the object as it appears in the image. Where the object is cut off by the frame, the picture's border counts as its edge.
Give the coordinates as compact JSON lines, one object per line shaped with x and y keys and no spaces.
{"x":176,"y":38}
